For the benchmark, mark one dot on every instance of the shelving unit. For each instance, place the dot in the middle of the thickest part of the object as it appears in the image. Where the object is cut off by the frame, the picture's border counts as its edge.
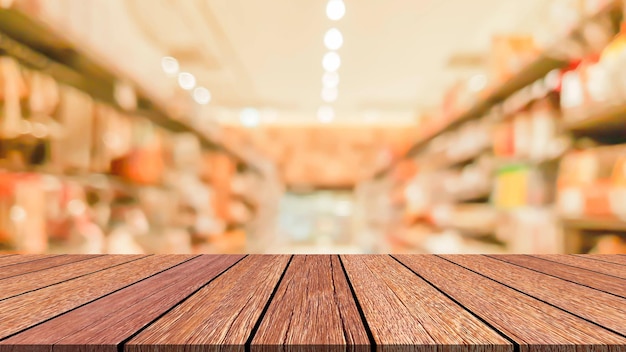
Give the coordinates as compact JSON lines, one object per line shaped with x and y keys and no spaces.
{"x":42,"y":49}
{"x":537,"y":81}
{"x":38,"y":48}
{"x":539,"y":68}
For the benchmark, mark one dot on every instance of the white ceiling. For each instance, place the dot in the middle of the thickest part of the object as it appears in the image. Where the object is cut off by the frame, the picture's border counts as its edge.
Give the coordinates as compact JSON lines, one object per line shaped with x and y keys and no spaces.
{"x":267,"y":54}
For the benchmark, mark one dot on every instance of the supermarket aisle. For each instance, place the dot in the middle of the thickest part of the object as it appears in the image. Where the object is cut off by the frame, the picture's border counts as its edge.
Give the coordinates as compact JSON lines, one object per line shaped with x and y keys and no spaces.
{"x":320,"y":126}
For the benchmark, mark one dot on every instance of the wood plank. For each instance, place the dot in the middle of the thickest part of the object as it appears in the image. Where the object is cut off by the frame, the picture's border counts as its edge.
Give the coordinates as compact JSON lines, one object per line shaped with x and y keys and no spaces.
{"x":105,"y":323}
{"x":221,"y":314}
{"x":32,"y":266}
{"x":17,"y":259}
{"x":587,"y":263}
{"x":530,"y":323}
{"x":21,"y":312}
{"x":599,"y":307}
{"x":18,"y":285}
{"x":616,"y":259}
{"x":313,"y":307}
{"x":610,"y":284}
{"x":405,"y":312}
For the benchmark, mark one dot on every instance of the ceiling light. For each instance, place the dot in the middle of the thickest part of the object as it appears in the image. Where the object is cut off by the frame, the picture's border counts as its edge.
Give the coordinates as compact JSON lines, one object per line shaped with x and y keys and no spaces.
{"x":335,"y":9}
{"x":331,"y":61}
{"x":333,"y":39}
{"x":477,"y":83}
{"x":249,"y":117}
{"x":329,"y":94}
{"x":201,"y":95}
{"x":325,"y":114}
{"x":186,"y":80}
{"x":330,"y":79}
{"x":169,"y":65}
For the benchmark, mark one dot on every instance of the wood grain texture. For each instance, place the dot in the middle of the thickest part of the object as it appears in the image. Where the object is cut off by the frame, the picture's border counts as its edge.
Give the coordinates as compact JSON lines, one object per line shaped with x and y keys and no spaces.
{"x":220,"y":315}
{"x":21,"y":284}
{"x":616,"y":259}
{"x":105,"y":323}
{"x":404,"y":312}
{"x":587,"y":263}
{"x":16,"y":259}
{"x":312,"y":308}
{"x":26,"y":310}
{"x":531,"y":323}
{"x":32,"y":266}
{"x":606,"y":283}
{"x":596,"y":306}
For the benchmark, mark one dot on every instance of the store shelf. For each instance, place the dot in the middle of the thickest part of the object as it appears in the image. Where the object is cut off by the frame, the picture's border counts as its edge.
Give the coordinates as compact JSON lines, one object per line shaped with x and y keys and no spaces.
{"x":532,"y":72}
{"x":595,"y":224}
{"x":537,"y":69}
{"x":40,"y":48}
{"x":605,"y":119}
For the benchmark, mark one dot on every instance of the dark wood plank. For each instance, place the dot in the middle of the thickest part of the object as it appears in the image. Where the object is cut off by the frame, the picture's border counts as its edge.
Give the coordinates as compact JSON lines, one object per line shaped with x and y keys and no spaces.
{"x":596,"y":306}
{"x":221,"y":314}
{"x":17,"y":259}
{"x":587,"y":263}
{"x":405,"y":312}
{"x":313,"y":306}
{"x":616,"y":259}
{"x":24,"y":311}
{"x":531,"y":323}
{"x":606,"y":283}
{"x":18,"y":285}
{"x":105,"y":323}
{"x":32,"y":266}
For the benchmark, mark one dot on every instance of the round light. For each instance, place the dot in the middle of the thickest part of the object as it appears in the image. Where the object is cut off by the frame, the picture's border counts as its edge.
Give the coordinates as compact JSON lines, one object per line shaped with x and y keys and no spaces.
{"x":249,"y":117}
{"x":477,"y":83}
{"x":325,"y":114}
{"x":329,"y":94}
{"x":186,"y":80}
{"x":331,"y":61}
{"x":335,"y":9}
{"x":330,"y":79}
{"x":333,"y":39}
{"x":169,"y":65}
{"x":201,"y":95}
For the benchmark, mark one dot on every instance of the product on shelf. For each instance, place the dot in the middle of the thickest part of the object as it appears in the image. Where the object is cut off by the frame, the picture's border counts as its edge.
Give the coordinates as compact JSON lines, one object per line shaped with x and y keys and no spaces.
{"x":509,"y":54}
{"x":591,"y":183}
{"x":531,"y":134}
{"x":535,"y":230}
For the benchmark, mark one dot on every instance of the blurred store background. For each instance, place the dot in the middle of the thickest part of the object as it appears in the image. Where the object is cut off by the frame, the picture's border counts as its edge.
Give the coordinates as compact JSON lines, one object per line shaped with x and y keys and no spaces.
{"x":313,"y":126}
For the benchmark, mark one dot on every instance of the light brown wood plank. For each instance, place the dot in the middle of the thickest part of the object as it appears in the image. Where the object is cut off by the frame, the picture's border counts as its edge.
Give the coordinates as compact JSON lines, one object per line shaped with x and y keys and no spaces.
{"x":103,"y":324}
{"x":32,"y":266}
{"x":24,"y":311}
{"x":531,"y":323}
{"x":606,"y":310}
{"x":17,"y":259}
{"x":587,"y":263}
{"x":606,"y":283}
{"x":313,"y":306}
{"x":18,"y":285}
{"x":616,"y":259}
{"x":220,"y":315}
{"x":404,"y":311}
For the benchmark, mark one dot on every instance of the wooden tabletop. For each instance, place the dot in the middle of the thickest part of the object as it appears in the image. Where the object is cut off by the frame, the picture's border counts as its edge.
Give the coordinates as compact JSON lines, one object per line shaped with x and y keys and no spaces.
{"x":318,"y":302}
